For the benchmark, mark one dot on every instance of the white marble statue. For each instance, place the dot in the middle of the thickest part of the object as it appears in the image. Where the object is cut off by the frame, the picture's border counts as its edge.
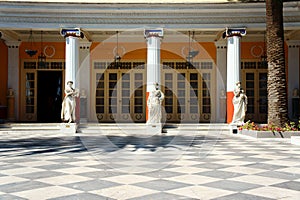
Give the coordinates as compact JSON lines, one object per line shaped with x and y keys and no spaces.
{"x":240,"y":102}
{"x":69,"y":104}
{"x":154,"y":105}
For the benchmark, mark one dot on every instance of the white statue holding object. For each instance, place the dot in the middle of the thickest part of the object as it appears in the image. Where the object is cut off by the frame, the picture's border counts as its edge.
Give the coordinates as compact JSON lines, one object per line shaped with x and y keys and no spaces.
{"x":154,"y":105}
{"x":240,"y":102}
{"x":69,"y":104}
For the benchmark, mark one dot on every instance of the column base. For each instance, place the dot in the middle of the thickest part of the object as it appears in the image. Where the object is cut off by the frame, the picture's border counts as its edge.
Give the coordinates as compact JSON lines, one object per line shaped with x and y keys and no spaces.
{"x":153,"y":128}
{"x":68,"y":127}
{"x":233,"y":128}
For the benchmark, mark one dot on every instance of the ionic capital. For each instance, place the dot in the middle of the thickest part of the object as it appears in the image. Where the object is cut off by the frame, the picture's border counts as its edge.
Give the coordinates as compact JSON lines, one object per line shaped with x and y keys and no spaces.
{"x":153,"y":33}
{"x":230,"y":32}
{"x":73,"y":32}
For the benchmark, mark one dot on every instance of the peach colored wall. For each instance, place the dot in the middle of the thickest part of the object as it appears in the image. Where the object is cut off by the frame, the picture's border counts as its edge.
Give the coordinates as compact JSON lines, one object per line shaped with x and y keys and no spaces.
{"x":256,"y":48}
{"x":3,"y":73}
{"x":207,"y":50}
{"x":58,"y":46}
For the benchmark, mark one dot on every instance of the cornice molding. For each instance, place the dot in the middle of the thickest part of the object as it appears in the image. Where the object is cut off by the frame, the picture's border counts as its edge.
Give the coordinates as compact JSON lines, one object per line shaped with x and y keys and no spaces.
{"x":57,"y":15}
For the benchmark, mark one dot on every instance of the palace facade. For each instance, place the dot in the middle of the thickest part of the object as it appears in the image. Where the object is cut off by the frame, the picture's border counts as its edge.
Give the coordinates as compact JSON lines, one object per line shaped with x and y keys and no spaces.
{"x":115,"y":53}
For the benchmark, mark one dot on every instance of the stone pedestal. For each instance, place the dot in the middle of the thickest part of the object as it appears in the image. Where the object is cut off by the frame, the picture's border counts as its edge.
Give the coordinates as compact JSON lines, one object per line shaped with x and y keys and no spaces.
{"x":295,"y":140}
{"x":68,"y":127}
{"x":233,"y":128}
{"x":83,"y":109}
{"x":153,"y":128}
{"x":11,"y":105}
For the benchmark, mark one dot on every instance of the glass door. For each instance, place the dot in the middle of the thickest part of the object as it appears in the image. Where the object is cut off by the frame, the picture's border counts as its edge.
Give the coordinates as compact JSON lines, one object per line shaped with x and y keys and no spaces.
{"x":187,"y":96}
{"x":120,"y":94}
{"x":255,"y":82}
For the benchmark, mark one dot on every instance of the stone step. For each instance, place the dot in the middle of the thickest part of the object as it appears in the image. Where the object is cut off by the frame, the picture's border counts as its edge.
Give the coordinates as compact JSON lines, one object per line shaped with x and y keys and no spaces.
{"x":295,"y":140}
{"x":107,"y":128}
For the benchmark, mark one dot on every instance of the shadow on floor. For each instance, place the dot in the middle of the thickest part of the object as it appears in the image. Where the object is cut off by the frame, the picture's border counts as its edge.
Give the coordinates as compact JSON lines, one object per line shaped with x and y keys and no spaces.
{"x":77,"y":144}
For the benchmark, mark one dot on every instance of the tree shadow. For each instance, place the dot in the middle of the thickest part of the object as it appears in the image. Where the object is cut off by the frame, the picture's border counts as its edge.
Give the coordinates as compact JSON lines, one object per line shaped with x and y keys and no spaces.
{"x":107,"y":143}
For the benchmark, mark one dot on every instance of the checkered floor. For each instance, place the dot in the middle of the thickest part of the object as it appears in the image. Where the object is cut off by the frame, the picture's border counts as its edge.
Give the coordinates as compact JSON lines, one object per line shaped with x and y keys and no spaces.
{"x":182,"y":165}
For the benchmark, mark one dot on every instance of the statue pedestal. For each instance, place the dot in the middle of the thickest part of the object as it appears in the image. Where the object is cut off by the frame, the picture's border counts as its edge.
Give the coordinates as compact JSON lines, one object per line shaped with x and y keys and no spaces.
{"x":11,"y":106}
{"x":153,"y":128}
{"x":68,"y":127}
{"x":233,"y":128}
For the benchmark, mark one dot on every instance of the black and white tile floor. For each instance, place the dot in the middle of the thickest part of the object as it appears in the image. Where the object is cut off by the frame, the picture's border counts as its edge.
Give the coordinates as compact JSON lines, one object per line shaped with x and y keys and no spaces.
{"x":199,"y":165}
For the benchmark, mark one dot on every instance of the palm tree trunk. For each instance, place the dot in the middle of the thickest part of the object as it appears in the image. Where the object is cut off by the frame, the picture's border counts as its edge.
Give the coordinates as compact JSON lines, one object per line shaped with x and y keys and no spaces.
{"x":277,"y":95}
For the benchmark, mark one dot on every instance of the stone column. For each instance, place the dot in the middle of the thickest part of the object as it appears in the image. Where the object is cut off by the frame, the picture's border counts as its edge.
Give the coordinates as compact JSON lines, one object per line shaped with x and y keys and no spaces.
{"x":221,"y":81}
{"x":72,"y":53}
{"x":233,"y":36}
{"x":84,"y":80}
{"x":293,"y":79}
{"x":13,"y":77}
{"x":153,"y":37}
{"x":72,"y":36}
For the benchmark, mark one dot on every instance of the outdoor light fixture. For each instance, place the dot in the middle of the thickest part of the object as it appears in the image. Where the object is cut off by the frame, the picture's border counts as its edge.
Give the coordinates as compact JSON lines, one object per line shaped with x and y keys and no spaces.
{"x":192,"y":53}
{"x":42,"y":57}
{"x":117,"y":56}
{"x":263,"y":57}
{"x":30,"y":51}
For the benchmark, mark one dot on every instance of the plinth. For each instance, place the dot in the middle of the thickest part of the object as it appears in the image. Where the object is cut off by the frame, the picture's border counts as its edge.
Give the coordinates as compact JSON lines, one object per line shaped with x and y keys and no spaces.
{"x":68,"y":127}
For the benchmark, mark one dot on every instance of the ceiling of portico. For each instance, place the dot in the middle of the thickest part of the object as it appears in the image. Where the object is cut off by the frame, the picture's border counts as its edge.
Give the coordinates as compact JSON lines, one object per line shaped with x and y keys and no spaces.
{"x":101,"y":21}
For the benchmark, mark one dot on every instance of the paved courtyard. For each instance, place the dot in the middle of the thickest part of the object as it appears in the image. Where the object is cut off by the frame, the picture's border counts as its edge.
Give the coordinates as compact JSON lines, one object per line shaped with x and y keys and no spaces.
{"x":177,"y":165}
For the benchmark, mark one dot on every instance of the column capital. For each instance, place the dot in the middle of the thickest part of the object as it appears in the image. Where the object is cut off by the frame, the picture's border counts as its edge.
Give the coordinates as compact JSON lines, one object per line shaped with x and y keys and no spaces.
{"x":84,"y":45}
{"x":221,"y":44}
{"x":153,"y":33}
{"x":293,"y":43}
{"x":230,"y":32}
{"x":74,"y":32}
{"x":13,"y":44}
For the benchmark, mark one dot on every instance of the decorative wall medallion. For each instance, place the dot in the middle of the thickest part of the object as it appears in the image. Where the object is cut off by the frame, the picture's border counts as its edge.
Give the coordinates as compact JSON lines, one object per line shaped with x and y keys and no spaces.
{"x":169,"y":116}
{"x":111,"y":117}
{"x":138,"y":117}
{"x":206,"y":116}
{"x":99,"y":116}
{"x":256,"y":51}
{"x":181,"y":117}
{"x":119,"y":51}
{"x":194,"y":117}
{"x":125,"y":117}
{"x":49,"y":51}
{"x":29,"y":117}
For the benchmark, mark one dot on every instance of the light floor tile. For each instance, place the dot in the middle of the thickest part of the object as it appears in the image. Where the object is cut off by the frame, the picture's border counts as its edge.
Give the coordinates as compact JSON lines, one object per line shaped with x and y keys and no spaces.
{"x":233,"y":162}
{"x":292,"y":170}
{"x":133,"y":169}
{"x":124,"y":192}
{"x":200,"y":192}
{"x":268,"y":156}
{"x":193,"y":179}
{"x":243,"y":170}
{"x":85,"y":163}
{"x":187,"y":170}
{"x":225,"y":157}
{"x":260,"y":180}
{"x":11,"y":179}
{"x":46,"y":193}
{"x":77,"y":170}
{"x":281,"y":163}
{"x":64,"y":179}
{"x":22,"y":170}
{"x":129,"y":179}
{"x":218,"y":152}
{"x":182,"y":162}
{"x":273,"y":192}
{"x":36,"y":163}
{"x":298,"y":180}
